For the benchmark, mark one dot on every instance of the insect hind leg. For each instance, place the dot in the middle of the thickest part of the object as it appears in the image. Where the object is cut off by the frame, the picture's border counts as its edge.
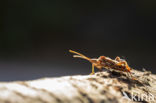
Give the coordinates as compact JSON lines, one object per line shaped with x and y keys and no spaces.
{"x":118,"y":59}
{"x":133,"y":78}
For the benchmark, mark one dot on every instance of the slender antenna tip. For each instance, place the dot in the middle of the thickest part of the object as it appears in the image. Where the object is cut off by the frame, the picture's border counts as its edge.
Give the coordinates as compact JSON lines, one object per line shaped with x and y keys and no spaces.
{"x":70,"y":50}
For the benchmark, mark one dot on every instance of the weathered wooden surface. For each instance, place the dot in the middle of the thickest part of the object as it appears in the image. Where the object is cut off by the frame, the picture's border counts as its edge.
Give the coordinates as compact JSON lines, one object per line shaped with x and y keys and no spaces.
{"x":103,"y":87}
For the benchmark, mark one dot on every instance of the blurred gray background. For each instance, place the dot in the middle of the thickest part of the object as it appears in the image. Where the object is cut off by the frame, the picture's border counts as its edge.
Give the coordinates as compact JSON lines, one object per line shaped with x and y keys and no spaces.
{"x":35,"y":35}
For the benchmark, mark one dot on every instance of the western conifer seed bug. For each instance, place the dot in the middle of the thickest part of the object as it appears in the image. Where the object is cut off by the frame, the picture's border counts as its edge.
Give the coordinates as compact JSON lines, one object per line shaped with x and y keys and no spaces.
{"x":106,"y":62}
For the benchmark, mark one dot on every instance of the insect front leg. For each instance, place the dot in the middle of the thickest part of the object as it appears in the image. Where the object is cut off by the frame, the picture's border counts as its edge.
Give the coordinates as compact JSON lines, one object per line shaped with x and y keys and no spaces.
{"x":93,"y":72}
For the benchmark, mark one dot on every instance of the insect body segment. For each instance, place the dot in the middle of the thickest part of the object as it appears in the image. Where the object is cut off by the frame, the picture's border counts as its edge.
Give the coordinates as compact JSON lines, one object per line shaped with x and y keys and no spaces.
{"x":105,"y":62}
{"x":117,"y":64}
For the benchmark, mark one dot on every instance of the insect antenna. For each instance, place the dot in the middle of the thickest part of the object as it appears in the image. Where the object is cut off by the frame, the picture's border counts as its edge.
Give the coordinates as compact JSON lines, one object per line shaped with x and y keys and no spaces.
{"x":79,"y":55}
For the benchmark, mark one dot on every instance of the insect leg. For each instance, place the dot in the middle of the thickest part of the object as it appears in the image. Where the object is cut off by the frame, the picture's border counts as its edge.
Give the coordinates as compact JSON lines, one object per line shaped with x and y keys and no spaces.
{"x":117,"y":59}
{"x":121,"y":63}
{"x":92,"y":69}
{"x":133,"y":78}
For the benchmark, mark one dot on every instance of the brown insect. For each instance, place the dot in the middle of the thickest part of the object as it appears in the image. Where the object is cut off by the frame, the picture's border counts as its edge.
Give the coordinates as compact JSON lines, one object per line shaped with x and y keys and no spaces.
{"x":106,"y":62}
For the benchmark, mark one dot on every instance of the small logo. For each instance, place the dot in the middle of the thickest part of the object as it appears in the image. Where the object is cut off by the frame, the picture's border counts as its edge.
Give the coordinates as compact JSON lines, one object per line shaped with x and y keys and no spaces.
{"x":133,"y":96}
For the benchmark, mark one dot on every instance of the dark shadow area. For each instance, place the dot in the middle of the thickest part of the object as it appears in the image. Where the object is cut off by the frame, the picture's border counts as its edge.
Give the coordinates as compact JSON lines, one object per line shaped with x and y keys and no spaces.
{"x":35,"y":36}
